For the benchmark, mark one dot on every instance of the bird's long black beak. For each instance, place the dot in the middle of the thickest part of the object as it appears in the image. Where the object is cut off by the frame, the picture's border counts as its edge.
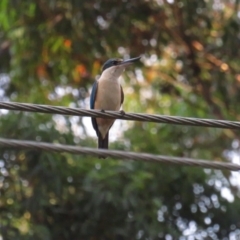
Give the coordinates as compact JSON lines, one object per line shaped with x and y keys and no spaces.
{"x":129,"y":61}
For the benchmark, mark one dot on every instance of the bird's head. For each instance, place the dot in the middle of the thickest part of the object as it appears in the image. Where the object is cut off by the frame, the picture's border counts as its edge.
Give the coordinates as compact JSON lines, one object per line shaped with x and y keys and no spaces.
{"x":114,"y":67}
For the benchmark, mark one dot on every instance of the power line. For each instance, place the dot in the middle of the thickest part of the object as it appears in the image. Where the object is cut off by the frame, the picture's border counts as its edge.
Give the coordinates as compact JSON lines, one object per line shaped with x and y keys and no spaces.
{"x":11,"y":143}
{"x":27,"y":107}
{"x":119,"y":115}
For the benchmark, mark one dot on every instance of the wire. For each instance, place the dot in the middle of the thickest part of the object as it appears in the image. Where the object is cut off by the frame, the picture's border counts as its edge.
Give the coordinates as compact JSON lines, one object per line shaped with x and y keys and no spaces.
{"x":27,"y":107}
{"x":120,"y":115}
{"x":11,"y":143}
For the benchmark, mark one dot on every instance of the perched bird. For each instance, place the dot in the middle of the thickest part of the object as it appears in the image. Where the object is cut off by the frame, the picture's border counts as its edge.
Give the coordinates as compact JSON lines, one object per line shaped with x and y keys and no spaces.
{"x":107,"y":94}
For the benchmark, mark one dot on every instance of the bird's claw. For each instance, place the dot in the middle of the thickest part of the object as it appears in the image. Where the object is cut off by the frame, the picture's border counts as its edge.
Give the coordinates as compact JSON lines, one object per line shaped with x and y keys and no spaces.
{"x":122,"y":112}
{"x":102,"y":110}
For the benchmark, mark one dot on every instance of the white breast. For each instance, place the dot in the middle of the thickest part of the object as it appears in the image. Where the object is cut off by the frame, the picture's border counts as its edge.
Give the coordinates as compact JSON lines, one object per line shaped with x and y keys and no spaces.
{"x":108,"y":98}
{"x":108,"y":95}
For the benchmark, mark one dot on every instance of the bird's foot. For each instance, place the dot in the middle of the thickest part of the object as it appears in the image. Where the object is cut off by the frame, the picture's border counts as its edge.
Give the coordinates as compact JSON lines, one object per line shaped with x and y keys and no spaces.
{"x":122,"y":112}
{"x":102,"y":110}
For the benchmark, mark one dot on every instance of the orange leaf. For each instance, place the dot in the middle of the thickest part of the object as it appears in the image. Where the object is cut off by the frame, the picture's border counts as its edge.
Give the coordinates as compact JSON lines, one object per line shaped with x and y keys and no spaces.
{"x":81,"y":69}
{"x":41,"y":71}
{"x":67,"y":43}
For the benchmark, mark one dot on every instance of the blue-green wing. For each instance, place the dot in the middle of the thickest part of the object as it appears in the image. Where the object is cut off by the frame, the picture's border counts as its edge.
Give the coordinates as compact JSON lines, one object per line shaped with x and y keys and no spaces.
{"x":122,"y":95}
{"x":92,"y":102}
{"x":93,"y":94}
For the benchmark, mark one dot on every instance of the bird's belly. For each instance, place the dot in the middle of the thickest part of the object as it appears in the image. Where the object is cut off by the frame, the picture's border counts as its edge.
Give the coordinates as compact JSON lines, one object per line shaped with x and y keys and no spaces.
{"x":108,"y":98}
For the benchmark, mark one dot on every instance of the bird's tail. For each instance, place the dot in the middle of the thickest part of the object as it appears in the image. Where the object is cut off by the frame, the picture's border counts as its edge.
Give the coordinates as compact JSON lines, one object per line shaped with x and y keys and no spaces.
{"x":103,"y":143}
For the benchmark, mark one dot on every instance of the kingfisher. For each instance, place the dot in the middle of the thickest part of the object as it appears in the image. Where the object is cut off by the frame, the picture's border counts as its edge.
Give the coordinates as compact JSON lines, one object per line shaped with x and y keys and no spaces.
{"x":107,"y":94}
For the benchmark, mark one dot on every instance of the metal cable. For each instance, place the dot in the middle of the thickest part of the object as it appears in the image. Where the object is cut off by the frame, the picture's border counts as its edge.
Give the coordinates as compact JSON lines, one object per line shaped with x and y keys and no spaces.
{"x":11,"y":143}
{"x":120,"y":115}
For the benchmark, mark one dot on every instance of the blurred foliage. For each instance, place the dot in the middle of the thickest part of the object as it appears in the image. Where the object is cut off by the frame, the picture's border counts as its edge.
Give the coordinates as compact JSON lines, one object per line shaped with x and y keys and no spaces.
{"x":50,"y":53}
